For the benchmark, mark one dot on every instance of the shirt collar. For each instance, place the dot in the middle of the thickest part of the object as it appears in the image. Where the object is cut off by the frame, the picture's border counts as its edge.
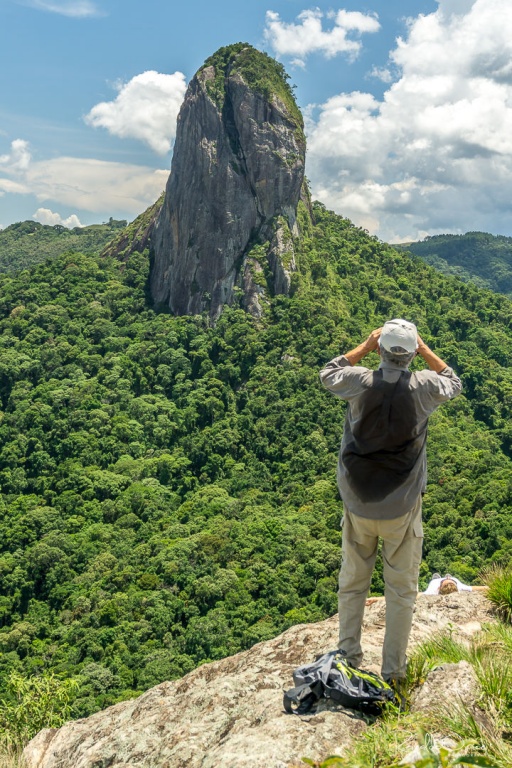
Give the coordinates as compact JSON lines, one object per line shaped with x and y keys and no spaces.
{"x":388,"y":365}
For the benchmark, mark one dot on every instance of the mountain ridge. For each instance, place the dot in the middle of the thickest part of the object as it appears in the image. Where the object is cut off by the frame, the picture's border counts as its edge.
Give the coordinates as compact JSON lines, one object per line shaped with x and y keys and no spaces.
{"x":27,"y":243}
{"x":478,"y":257}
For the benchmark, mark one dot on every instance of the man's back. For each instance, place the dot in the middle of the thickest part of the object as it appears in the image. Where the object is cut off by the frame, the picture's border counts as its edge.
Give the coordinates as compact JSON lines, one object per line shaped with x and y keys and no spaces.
{"x":382,"y":461}
{"x":382,"y":449}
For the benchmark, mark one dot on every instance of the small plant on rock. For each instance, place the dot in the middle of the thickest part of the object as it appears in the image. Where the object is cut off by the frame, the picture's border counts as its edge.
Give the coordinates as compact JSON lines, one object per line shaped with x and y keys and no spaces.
{"x":32,"y":704}
{"x":498,"y":579}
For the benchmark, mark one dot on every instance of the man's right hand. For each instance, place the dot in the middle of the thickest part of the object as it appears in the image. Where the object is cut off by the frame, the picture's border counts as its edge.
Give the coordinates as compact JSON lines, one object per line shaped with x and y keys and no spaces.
{"x":421,"y":344}
{"x":371,"y":343}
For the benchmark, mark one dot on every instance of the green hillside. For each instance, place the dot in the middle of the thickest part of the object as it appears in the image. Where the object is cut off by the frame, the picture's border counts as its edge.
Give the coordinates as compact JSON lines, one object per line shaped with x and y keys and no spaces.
{"x":168,"y":488}
{"x":27,"y":243}
{"x":483,"y":259}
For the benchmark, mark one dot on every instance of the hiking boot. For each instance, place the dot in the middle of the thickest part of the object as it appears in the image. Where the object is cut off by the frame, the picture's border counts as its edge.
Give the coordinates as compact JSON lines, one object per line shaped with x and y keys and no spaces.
{"x":399,"y":687}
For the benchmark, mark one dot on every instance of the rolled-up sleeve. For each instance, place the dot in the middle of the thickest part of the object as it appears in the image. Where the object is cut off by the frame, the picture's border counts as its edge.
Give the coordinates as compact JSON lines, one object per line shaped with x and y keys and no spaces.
{"x":436,"y":388}
{"x":343,"y":379}
{"x":448,"y":385}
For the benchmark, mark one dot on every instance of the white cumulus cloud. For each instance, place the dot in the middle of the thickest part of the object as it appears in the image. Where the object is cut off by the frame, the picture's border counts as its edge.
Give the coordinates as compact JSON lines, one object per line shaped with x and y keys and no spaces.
{"x":308,"y":35}
{"x":145,"y":108}
{"x":46,"y":216}
{"x":81,"y":183}
{"x":382,"y":73}
{"x":13,"y":166}
{"x":437,"y":148}
{"x":8,"y":186}
{"x":78,"y":9}
{"x":18,"y":159}
{"x":96,"y":185}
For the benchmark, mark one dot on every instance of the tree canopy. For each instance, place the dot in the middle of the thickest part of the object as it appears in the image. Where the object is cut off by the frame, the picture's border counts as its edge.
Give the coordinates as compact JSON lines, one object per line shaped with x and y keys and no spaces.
{"x":26,"y":243}
{"x":168,"y":490}
{"x":484,"y":259}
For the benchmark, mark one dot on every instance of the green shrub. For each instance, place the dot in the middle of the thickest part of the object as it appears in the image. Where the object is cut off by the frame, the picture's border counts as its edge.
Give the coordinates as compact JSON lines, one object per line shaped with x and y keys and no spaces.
{"x":32,"y":704}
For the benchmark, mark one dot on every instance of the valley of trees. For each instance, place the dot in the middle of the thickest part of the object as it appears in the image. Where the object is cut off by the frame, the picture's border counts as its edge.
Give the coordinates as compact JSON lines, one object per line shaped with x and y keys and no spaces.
{"x":483,"y":259}
{"x":168,"y":489}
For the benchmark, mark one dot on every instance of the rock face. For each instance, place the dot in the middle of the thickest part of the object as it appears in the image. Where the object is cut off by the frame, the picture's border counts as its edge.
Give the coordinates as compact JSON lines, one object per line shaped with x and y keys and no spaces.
{"x":236,"y":179}
{"x":136,"y":236}
{"x":229,"y":712}
{"x":458,"y":680}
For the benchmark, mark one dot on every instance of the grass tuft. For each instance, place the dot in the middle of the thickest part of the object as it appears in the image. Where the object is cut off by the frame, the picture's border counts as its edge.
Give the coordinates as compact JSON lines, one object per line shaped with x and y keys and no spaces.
{"x":11,"y":757}
{"x":441,"y":648}
{"x":498,"y":579}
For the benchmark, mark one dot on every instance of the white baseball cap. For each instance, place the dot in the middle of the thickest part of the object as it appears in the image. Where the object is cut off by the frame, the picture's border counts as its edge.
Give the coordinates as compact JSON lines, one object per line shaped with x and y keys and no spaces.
{"x":399,"y":333}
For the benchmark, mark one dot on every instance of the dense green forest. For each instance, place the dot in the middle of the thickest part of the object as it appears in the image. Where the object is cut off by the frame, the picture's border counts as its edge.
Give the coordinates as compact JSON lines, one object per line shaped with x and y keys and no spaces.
{"x":168,"y":488}
{"x":26,"y":243}
{"x":483,"y":259}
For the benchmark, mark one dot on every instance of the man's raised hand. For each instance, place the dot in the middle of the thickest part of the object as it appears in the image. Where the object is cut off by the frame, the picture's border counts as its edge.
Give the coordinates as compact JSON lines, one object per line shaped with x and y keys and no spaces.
{"x":372,"y":342}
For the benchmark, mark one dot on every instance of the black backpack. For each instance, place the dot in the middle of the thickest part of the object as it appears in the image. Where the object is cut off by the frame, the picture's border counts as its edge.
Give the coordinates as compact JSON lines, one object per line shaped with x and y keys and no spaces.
{"x":330,"y":677}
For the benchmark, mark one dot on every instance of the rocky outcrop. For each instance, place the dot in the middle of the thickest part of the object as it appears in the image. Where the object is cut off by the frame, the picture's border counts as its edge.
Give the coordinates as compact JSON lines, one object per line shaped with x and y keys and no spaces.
{"x":136,"y":236}
{"x":448,"y":682}
{"x":236,"y":179}
{"x":229,"y":712}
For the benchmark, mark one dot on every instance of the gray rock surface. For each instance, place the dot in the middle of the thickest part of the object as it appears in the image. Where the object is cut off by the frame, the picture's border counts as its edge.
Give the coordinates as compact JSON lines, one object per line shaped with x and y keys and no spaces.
{"x":446,"y":685}
{"x":228,"y":714}
{"x":236,"y":179}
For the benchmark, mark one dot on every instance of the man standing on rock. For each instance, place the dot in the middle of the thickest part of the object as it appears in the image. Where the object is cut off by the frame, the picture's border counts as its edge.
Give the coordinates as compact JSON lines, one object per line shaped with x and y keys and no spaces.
{"x":382,"y":474}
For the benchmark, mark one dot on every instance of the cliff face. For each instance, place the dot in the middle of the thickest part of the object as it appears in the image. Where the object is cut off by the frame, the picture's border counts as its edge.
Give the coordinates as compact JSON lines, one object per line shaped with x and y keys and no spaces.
{"x":236,"y":179}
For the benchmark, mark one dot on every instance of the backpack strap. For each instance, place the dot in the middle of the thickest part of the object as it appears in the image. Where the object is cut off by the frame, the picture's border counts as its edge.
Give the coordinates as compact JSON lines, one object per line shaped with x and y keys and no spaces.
{"x":302,"y":699}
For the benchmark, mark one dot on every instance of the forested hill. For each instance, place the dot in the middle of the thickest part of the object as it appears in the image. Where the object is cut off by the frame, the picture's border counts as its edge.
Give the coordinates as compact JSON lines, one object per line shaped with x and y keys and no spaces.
{"x":26,"y":243}
{"x":479,"y":257}
{"x":168,"y":487}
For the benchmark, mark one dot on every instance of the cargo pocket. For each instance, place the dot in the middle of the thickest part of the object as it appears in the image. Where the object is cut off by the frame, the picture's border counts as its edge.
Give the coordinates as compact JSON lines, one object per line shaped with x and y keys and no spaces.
{"x":417,"y":528}
{"x":417,"y":552}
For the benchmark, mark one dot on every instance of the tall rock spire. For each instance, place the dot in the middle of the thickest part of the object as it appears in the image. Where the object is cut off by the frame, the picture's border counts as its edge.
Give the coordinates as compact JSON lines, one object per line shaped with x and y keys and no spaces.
{"x":236,"y":179}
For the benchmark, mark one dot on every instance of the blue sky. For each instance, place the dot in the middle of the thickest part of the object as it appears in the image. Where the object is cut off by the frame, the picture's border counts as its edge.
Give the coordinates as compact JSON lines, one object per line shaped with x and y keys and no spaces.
{"x":409,"y":117}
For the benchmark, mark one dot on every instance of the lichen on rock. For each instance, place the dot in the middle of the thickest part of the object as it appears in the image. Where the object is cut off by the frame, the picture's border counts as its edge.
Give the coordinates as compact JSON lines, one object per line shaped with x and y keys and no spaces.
{"x":236,"y":179}
{"x":230,"y":713}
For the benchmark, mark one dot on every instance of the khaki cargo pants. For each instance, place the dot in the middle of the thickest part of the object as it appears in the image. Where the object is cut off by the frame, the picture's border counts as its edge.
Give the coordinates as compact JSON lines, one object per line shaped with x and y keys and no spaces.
{"x":402,"y":540}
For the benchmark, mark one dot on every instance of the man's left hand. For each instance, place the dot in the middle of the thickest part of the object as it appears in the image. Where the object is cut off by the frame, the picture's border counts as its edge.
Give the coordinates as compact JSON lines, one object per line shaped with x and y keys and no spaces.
{"x":372,"y":342}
